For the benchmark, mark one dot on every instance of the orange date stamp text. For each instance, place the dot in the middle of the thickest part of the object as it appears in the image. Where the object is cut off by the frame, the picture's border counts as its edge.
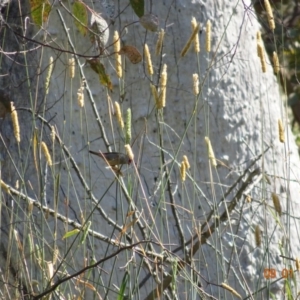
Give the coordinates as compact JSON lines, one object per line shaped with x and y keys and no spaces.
{"x":270,"y":273}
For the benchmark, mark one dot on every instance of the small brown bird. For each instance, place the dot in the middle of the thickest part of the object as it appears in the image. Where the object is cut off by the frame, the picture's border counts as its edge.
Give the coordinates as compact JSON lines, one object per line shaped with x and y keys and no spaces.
{"x":114,"y":158}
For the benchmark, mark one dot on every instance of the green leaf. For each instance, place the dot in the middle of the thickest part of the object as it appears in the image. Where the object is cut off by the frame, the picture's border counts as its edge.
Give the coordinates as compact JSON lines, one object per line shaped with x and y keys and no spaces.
{"x":104,"y":78}
{"x":70,"y":233}
{"x":138,"y":7}
{"x":85,"y":231}
{"x":80,"y":13}
{"x":40,"y":10}
{"x":99,"y":68}
{"x":123,"y":287}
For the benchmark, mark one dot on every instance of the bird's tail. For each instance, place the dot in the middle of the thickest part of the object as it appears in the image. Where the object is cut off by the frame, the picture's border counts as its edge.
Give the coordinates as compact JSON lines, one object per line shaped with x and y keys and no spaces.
{"x":96,"y":153}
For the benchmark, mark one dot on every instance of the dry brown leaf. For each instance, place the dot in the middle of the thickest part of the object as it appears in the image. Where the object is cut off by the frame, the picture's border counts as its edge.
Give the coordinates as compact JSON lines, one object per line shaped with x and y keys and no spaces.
{"x":132,"y":53}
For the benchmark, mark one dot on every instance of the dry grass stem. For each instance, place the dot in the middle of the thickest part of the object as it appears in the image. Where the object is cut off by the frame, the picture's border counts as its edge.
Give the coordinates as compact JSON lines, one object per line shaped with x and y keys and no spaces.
{"x":208,"y":36}
{"x":231,"y":290}
{"x":4,"y":187}
{"x":190,"y":40}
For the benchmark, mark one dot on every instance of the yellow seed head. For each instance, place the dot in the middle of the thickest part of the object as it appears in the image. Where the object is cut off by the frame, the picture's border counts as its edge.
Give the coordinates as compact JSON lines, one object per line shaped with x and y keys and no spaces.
{"x":119,"y":69}
{"x":186,"y":161}
{"x":148,"y":60}
{"x":129,"y":151}
{"x":118,"y":57}
{"x":159,"y":42}
{"x":163,"y":88}
{"x":298,"y":264}
{"x":80,"y":97}
{"x":154,"y":93}
{"x":72,"y":67}
{"x":117,"y":43}
{"x":52,"y":134}
{"x":257,"y":236}
{"x":15,"y":121}
{"x":281,"y":131}
{"x":248,"y":199}
{"x":196,"y":39}
{"x":119,"y":115}
{"x":269,"y":14}
{"x":50,"y":269}
{"x":276,"y":204}
{"x":183,"y":171}
{"x":258,"y":36}
{"x":163,"y":79}
{"x":259,"y":49}
{"x":190,"y":40}
{"x":128,"y":126}
{"x":261,"y":54}
{"x":231,"y":290}
{"x":211,"y":154}
{"x":196,"y":84}
{"x":46,"y":153}
{"x":276,"y":63}
{"x":263,"y":65}
{"x":49,"y":73}
{"x":208,"y":37}
{"x":30,"y":207}
{"x":258,"y":43}
{"x":4,"y":187}
{"x":55,"y":255}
